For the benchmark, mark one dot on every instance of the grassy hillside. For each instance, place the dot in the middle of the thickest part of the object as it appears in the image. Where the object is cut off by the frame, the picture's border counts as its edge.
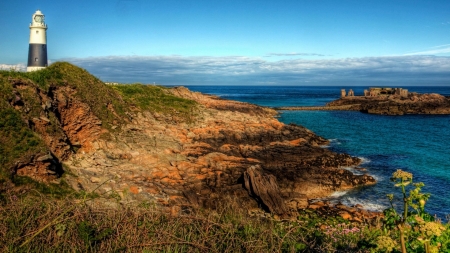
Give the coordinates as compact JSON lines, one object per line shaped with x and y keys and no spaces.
{"x":17,"y":141}
{"x":156,"y":99}
{"x":88,"y":88}
{"x":21,"y":101}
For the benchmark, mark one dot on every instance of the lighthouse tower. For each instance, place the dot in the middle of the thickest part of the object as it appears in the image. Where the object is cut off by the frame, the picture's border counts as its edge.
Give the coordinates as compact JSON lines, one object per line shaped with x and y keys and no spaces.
{"x":37,"y":51}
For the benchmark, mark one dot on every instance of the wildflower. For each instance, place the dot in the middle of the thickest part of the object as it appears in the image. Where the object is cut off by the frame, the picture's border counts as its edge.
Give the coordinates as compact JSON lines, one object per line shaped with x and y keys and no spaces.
{"x":385,"y":243}
{"x":419,"y":219}
{"x":402,"y":178}
{"x":434,"y":249}
{"x":419,"y":185}
{"x":400,"y":174}
{"x":422,"y":203}
{"x":430,"y":229}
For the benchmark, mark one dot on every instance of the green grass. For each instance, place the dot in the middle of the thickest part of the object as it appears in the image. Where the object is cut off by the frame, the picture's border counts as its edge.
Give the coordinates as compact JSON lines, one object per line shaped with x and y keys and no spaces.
{"x":87,"y":88}
{"x":38,"y":224}
{"x":156,"y":99}
{"x":99,"y":96}
{"x":52,"y":190}
{"x":17,"y":141}
{"x":113,"y":105}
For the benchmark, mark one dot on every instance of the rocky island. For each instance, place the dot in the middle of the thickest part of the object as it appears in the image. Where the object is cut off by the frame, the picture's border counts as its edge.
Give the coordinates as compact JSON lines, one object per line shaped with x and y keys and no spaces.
{"x":172,"y":147}
{"x":393,"y":101}
{"x":384,"y":101}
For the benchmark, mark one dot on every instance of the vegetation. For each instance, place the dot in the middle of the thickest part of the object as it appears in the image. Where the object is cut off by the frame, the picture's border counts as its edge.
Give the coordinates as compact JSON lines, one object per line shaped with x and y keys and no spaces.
{"x":17,"y":141}
{"x":100,"y":97}
{"x":111,"y":104}
{"x":21,"y":102}
{"x":64,"y":226}
{"x":79,"y":223}
{"x":88,"y":88}
{"x":157,"y":99}
{"x":416,"y":230}
{"x":38,"y":217}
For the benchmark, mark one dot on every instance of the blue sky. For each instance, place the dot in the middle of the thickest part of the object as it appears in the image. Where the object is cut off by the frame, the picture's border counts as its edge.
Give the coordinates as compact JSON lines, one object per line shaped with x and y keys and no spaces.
{"x":301,"y":42}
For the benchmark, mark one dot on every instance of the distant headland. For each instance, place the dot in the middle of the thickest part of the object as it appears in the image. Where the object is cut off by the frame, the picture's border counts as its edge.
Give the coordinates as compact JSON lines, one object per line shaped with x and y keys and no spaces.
{"x":385,"y":101}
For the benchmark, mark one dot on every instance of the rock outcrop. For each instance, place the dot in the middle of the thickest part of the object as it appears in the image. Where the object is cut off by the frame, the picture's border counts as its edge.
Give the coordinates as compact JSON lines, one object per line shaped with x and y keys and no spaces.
{"x":199,"y":163}
{"x":227,"y":149}
{"x":62,"y":122}
{"x":414,"y":103}
{"x":265,"y":189}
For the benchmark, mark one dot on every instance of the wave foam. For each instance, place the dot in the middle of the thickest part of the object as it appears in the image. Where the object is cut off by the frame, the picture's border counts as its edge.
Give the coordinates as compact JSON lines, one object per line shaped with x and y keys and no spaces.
{"x":378,"y":178}
{"x":367,"y":204}
{"x":353,"y":170}
{"x":338,"y":194}
{"x":364,"y":160}
{"x":334,"y":141}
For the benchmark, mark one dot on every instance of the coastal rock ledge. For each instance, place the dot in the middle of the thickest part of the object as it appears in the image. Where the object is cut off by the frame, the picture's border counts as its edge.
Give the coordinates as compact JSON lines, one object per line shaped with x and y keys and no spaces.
{"x":224,"y":149}
{"x":412,"y":103}
{"x":214,"y":157}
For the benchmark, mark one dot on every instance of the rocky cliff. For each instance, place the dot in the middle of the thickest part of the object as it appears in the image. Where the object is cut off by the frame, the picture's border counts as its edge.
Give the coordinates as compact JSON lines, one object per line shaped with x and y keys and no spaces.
{"x":396,"y":105}
{"x":171,"y":147}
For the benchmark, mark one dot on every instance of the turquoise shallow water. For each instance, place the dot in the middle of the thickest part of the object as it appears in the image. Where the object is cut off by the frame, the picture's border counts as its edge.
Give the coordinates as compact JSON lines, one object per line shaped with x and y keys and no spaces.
{"x":415,"y":143}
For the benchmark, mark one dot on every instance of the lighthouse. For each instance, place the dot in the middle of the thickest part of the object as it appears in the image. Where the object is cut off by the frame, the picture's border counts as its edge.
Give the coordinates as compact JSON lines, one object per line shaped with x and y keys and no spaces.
{"x":37,"y":50}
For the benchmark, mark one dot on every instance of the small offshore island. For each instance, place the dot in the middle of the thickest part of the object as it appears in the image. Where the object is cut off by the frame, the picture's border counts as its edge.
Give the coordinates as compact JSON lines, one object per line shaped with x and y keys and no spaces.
{"x":385,"y":101}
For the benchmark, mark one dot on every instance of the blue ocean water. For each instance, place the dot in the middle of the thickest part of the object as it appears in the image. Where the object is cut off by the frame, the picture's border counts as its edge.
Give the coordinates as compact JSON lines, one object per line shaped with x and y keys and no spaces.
{"x":415,"y":143}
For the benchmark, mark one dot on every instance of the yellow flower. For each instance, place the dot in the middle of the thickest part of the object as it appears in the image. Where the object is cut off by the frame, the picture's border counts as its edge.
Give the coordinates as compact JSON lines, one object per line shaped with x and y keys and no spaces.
{"x":422,"y":203}
{"x":429,"y":229}
{"x":386,"y":243}
{"x":400,"y":174}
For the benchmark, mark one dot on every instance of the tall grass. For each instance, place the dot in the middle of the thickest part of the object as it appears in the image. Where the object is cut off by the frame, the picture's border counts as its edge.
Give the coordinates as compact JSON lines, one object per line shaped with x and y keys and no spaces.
{"x":37,"y":223}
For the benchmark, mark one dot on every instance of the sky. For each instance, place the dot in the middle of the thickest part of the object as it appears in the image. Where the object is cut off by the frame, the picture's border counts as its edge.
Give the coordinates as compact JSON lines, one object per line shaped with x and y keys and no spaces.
{"x":245,"y":42}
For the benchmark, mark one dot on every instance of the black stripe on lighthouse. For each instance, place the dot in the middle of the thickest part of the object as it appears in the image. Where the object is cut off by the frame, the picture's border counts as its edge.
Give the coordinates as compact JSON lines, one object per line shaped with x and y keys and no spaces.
{"x":37,"y":55}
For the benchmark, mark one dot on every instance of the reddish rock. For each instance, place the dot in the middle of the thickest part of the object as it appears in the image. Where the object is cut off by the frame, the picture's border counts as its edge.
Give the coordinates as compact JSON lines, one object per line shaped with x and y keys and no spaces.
{"x":170,"y":162}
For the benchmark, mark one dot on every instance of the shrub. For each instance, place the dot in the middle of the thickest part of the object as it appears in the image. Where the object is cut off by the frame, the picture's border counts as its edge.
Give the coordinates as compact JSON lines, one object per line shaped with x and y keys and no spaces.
{"x":415,"y":230}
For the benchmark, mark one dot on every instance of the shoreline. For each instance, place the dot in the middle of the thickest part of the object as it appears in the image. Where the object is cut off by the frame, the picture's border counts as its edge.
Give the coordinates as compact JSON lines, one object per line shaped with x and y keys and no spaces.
{"x":180,"y":149}
{"x":299,"y":96}
{"x":315,"y":108}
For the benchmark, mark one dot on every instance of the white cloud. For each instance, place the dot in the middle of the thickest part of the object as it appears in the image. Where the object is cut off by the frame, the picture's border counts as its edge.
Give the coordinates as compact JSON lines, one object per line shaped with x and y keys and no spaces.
{"x":16,"y":67}
{"x":240,"y":70}
{"x":293,"y":54}
{"x":442,"y":49}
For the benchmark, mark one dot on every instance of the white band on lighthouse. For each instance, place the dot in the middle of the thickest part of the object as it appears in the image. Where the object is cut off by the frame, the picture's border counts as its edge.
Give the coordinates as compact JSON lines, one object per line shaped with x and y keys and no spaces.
{"x":37,"y":36}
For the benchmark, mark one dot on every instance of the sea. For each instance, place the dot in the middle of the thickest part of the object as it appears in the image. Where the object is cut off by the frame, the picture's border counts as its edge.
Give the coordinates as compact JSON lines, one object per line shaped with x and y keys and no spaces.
{"x":415,"y":143}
